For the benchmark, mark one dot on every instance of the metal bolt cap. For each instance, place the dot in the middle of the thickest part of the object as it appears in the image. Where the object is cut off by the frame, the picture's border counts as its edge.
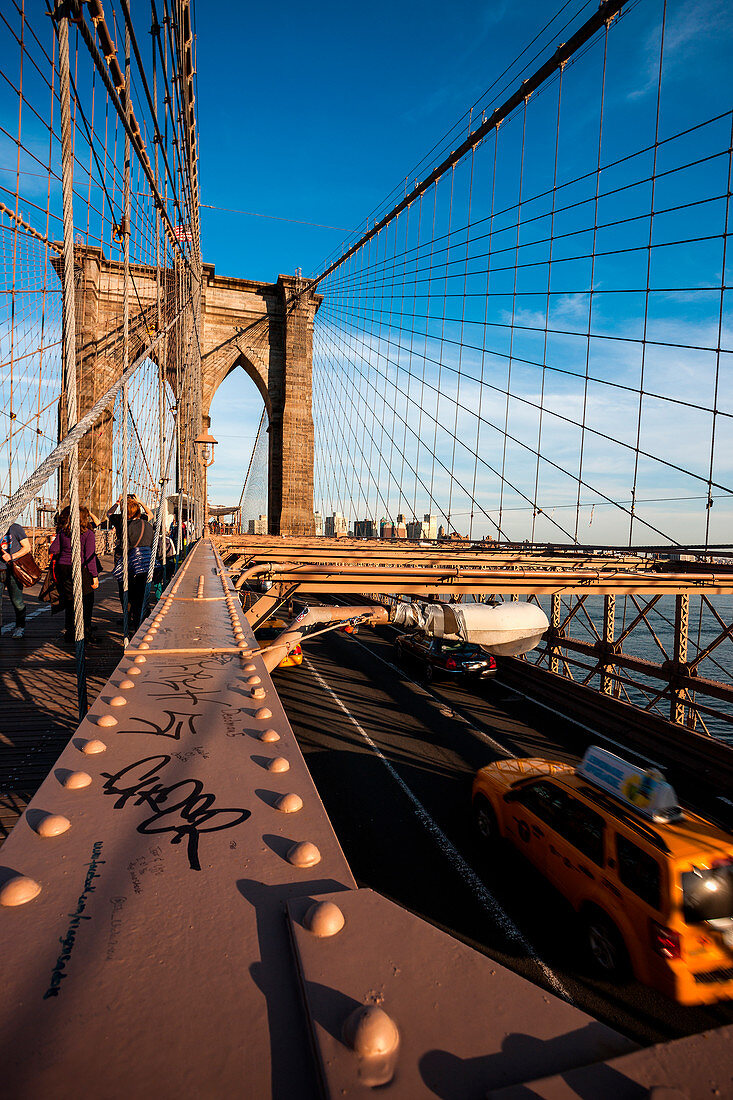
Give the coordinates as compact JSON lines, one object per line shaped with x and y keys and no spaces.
{"x":373,"y":1035}
{"x":18,"y":890}
{"x":278,"y":764}
{"x":148,"y":637}
{"x":254,"y":680}
{"x":304,"y":854}
{"x":257,"y":693}
{"x":324,"y":919}
{"x":74,"y":781}
{"x":249,"y":668}
{"x":118,"y":701}
{"x":263,"y":713}
{"x":127,"y":684}
{"x":140,"y":660}
{"x":105,"y":720}
{"x":143,"y":645}
{"x":52,"y":825}
{"x":269,"y":735}
{"x":91,"y":748}
{"x":133,"y":672}
{"x":289,"y":804}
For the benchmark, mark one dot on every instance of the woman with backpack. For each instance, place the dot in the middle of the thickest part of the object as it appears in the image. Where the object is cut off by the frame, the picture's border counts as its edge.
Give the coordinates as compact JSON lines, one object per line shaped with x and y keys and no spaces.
{"x":60,"y":551}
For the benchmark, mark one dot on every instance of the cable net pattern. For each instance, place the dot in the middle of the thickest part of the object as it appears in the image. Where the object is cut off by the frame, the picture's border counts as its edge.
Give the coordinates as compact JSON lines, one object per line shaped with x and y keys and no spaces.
{"x":253,"y":499}
{"x":538,"y":346}
{"x":119,"y":309}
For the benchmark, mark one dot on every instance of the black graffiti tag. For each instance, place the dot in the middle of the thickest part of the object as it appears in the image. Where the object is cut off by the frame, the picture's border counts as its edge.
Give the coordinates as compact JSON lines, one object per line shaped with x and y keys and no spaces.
{"x":175,"y":726}
{"x":181,"y":808}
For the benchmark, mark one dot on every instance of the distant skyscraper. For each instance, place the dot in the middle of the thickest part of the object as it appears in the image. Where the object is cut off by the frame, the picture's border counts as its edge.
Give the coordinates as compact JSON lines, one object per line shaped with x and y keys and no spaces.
{"x":429,"y":527}
{"x":364,"y":529}
{"x":318,"y":520}
{"x":257,"y":526}
{"x":336,"y":525}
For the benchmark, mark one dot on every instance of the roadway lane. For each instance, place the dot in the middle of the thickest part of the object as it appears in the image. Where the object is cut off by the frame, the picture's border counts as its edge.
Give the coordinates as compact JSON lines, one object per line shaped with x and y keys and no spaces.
{"x":393,"y":762}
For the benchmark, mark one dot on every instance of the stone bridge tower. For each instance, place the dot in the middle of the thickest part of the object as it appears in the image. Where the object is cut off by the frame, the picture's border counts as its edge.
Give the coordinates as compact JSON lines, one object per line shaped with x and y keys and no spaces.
{"x":264,"y":328}
{"x":267,"y":329}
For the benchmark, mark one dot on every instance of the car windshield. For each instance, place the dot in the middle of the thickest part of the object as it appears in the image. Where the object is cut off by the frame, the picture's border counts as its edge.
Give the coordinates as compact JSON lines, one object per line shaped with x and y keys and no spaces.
{"x":707,"y":894}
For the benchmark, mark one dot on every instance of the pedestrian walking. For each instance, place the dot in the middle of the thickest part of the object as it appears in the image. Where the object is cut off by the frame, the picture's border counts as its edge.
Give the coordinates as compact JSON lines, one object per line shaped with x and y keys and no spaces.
{"x":63,"y":570}
{"x":14,"y":544}
{"x":139,"y":543}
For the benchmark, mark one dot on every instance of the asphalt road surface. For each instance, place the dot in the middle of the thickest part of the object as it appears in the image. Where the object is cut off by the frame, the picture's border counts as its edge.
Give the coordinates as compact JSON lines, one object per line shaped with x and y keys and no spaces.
{"x":393,"y":761}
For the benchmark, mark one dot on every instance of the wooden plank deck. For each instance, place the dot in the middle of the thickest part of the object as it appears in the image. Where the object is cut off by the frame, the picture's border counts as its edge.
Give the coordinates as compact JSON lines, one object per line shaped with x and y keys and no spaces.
{"x":38,"y":690}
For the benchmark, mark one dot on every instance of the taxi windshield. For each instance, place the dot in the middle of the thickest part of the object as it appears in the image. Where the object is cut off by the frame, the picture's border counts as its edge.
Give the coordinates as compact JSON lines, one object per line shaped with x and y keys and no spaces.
{"x":707,"y":894}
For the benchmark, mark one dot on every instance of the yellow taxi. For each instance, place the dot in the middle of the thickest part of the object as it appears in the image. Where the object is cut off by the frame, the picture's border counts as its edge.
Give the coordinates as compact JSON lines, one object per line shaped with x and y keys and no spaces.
{"x":266,"y":636}
{"x":652,"y":883}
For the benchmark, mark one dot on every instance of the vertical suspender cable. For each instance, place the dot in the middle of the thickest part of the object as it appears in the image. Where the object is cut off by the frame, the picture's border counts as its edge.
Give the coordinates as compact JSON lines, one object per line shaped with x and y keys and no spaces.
{"x":517,"y":247}
{"x":536,"y":510}
{"x":632,"y":513}
{"x":126,"y":355}
{"x":592,"y":285}
{"x":158,"y":527}
{"x":69,"y":356}
{"x":159,"y":312}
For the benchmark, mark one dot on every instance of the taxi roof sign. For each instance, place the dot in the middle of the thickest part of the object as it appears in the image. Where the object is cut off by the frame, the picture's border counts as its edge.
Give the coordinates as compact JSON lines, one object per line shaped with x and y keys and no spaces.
{"x":645,"y":790}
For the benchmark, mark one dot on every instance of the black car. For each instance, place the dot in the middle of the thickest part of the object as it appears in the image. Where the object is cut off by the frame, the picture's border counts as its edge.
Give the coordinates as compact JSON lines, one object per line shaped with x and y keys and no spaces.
{"x":439,"y":657}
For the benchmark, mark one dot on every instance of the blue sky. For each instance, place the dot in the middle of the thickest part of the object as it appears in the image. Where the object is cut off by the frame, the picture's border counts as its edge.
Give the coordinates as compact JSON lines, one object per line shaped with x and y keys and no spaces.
{"x":317,"y":115}
{"x":328,"y":117}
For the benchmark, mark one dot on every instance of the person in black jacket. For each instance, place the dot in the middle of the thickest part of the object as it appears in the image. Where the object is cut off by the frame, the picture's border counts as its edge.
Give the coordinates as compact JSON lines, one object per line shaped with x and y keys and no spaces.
{"x":139,"y":548}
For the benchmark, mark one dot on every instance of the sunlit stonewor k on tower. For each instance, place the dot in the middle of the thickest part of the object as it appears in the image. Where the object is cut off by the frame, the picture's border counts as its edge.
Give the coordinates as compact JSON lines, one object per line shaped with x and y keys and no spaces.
{"x":241,"y":852}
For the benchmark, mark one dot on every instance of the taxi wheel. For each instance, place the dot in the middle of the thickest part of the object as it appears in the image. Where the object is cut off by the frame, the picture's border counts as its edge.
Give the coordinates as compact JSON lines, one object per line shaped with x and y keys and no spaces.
{"x":605,"y":945}
{"x":484,"y":820}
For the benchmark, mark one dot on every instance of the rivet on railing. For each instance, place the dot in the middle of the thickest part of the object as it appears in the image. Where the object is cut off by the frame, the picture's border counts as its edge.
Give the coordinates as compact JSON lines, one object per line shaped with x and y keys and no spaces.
{"x":289,"y":803}
{"x":93,"y":747}
{"x":304,"y":854}
{"x":18,"y":890}
{"x":52,"y":825}
{"x":278,"y":764}
{"x":373,"y":1035}
{"x":324,"y":918}
{"x":76,"y":781}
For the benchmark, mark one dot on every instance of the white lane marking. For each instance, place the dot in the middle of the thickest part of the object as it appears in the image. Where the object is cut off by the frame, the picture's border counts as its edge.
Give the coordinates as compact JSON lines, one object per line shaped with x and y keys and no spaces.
{"x":484,"y":897}
{"x":30,"y":615}
{"x":437,"y":701}
{"x":722,"y":798}
{"x":516,"y":692}
{"x":588,"y":729}
{"x":39,"y":610}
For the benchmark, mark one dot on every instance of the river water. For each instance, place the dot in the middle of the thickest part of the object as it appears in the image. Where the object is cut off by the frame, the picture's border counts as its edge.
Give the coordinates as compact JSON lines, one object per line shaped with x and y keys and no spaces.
{"x":704,"y":628}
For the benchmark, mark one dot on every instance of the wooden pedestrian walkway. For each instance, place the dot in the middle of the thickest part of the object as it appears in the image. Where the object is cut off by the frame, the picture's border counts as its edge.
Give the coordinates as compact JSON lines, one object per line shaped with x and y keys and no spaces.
{"x":38,"y":707}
